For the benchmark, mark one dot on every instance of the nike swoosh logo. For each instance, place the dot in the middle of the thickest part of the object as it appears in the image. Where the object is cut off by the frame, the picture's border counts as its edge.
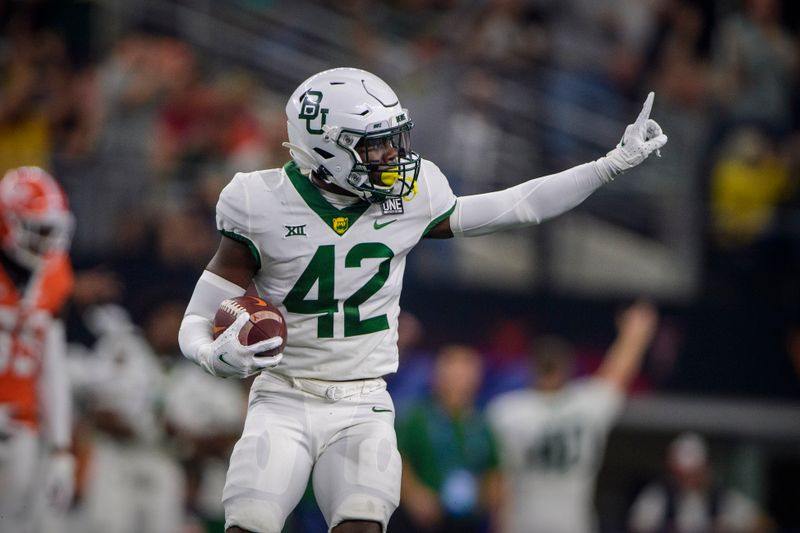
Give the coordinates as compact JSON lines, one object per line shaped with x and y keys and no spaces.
{"x":381,"y":409}
{"x":221,"y":357}
{"x":378,"y":225}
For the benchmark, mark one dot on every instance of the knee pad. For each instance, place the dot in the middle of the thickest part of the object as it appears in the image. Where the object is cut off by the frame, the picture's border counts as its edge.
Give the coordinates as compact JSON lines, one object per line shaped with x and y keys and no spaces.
{"x":363,"y":507}
{"x":261,"y":516}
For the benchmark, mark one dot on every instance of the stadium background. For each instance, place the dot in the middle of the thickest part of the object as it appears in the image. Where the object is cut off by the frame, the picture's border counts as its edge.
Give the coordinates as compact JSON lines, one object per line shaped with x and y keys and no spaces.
{"x":143,"y":109}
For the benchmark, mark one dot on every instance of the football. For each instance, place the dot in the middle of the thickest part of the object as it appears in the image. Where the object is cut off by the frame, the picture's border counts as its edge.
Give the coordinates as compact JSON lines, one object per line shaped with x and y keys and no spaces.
{"x":266,"y":321}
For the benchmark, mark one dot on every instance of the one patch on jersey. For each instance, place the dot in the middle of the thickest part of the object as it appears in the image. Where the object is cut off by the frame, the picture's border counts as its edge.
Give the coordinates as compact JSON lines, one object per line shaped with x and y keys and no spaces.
{"x":392,"y":206}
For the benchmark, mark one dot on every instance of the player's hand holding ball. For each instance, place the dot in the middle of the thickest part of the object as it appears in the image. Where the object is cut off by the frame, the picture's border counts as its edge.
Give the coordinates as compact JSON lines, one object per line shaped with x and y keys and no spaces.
{"x":250,"y":335}
{"x":640,"y":139}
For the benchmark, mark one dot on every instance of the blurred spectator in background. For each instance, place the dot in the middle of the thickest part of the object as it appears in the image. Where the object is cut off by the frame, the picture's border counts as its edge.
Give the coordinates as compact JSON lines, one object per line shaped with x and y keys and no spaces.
{"x":749,"y":182}
{"x":505,"y":34}
{"x":451,"y":480}
{"x":130,"y":482}
{"x":678,"y":59}
{"x":187,"y":124}
{"x":587,"y":77}
{"x":755,"y":66}
{"x":242,"y":137}
{"x":35,"y":405}
{"x":690,"y":500}
{"x":552,"y":436}
{"x":34,"y":69}
{"x":473,"y":154}
{"x":113,"y":178}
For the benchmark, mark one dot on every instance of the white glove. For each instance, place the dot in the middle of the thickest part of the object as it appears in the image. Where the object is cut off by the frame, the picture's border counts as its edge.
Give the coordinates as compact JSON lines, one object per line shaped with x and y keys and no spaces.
{"x":60,"y":480}
{"x":641,"y":138}
{"x":227,"y":357}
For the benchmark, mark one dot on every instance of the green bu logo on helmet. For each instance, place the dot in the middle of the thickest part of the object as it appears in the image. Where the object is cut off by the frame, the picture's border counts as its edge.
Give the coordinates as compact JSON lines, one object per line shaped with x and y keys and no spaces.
{"x":310,"y":110}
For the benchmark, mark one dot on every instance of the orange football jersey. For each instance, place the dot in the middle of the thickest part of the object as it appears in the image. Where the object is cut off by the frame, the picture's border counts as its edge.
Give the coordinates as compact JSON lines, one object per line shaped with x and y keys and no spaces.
{"x":24,"y":318}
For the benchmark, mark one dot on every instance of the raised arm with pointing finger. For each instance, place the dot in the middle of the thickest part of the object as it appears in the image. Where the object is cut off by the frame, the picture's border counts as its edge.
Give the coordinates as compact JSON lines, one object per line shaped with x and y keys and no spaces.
{"x":539,"y":199}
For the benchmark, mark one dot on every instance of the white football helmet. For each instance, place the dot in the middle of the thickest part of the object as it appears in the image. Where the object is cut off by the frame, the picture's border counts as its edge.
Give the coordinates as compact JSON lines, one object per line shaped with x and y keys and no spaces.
{"x":337,"y":113}
{"x":35,"y":219}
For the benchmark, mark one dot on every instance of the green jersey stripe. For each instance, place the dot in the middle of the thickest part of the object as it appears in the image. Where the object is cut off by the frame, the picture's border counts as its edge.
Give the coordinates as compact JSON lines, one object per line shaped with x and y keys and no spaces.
{"x":438,"y":219}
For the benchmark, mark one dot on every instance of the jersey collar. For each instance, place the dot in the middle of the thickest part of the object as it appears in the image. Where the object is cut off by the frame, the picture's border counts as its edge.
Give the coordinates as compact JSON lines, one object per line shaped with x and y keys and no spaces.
{"x":339,"y":220}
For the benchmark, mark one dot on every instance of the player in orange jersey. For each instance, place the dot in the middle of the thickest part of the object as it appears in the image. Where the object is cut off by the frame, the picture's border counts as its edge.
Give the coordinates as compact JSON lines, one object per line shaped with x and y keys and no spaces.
{"x":35,"y":403}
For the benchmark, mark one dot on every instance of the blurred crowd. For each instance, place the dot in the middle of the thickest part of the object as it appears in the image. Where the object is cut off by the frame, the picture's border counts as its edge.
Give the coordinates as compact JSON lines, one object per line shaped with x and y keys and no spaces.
{"x":144,"y":121}
{"x":143,"y":127}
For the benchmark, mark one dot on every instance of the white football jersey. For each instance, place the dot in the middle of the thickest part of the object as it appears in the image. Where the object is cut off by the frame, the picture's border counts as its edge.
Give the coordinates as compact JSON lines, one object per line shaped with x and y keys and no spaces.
{"x":336,"y":274}
{"x":552,"y":446}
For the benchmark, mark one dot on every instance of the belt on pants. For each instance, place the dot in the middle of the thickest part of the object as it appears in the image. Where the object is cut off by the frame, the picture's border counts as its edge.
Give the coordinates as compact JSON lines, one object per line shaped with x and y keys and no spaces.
{"x":334,"y":390}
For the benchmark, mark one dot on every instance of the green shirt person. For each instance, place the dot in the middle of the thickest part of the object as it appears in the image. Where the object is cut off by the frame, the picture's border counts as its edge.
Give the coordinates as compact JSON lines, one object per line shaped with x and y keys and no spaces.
{"x":450,"y":461}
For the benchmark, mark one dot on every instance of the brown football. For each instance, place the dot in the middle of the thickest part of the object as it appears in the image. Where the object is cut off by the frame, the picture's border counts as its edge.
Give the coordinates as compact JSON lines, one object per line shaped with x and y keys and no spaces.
{"x":266,"y":321}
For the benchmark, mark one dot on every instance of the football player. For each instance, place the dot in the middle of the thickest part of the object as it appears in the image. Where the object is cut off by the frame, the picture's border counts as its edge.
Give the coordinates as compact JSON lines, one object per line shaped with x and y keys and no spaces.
{"x":35,"y":403}
{"x":325,"y":238}
{"x":131,"y":481}
{"x":553,"y":434}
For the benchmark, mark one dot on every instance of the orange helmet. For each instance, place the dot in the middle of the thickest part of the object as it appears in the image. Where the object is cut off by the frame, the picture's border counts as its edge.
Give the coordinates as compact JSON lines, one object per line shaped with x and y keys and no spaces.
{"x":35,"y":219}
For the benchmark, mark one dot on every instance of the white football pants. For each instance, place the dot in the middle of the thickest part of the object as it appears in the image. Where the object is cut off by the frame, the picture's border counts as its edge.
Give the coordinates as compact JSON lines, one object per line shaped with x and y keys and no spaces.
{"x":339,"y":433}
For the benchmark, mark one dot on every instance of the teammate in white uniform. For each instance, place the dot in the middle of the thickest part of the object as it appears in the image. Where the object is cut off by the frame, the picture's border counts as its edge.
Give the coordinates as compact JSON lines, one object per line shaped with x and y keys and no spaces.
{"x":552,"y":436}
{"x":325,"y":238}
{"x":131,"y":483}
